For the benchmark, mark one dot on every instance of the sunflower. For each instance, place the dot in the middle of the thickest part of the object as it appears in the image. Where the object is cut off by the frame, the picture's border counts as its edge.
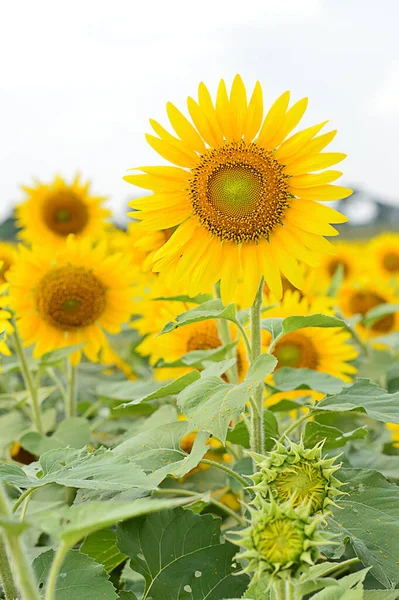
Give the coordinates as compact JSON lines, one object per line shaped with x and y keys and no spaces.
{"x":324,"y":349}
{"x":55,"y":210}
{"x":7,"y":258}
{"x":71,"y":297}
{"x":384,"y":255}
{"x":357,"y":298}
{"x":147,"y":243}
{"x":348,"y":256}
{"x":243,"y":194}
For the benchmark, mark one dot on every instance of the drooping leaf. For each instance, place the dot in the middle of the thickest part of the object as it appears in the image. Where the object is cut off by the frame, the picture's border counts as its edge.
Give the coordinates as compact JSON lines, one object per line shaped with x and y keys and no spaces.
{"x":170,"y":389}
{"x":366,"y":397}
{"x":294,"y":323}
{"x":286,"y":379}
{"x":210,"y":404}
{"x":213,"y":309}
{"x":347,"y":588}
{"x":72,"y":524}
{"x":73,"y":432}
{"x":80,"y":577}
{"x":197,"y":358}
{"x":368,"y":519}
{"x":181,"y":555}
{"x":334,"y":438}
{"x":101,"y":546}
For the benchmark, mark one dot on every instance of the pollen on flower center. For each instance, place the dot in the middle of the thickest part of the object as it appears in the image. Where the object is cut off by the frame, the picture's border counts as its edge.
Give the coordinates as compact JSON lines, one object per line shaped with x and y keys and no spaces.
{"x":296,"y":350}
{"x":239,"y":192}
{"x":70,"y":297}
{"x":279,"y":541}
{"x":64,"y":213}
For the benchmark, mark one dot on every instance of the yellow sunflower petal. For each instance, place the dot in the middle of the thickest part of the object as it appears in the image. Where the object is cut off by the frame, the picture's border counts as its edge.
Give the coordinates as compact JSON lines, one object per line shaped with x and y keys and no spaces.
{"x":290,"y":121}
{"x":254,"y":114}
{"x":273,"y":119}
{"x":271,"y":272}
{"x":314,"y":179}
{"x":206,"y":104}
{"x":238,"y":107}
{"x":169,"y":152}
{"x":296,"y":142}
{"x":323,"y":192}
{"x":223,"y":111}
{"x":314,"y":162}
{"x":184,"y":129}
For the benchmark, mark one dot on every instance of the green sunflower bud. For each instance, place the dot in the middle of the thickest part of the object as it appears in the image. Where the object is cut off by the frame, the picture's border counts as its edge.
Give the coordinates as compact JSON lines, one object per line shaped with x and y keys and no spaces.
{"x":282,"y":539}
{"x":298,"y":474}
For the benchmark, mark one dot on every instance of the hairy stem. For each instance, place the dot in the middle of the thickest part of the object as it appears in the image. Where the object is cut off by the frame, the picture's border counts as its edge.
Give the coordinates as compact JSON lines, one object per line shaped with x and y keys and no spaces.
{"x":71,"y":399}
{"x":223,"y":467}
{"x":257,"y":428}
{"x":55,"y":569}
{"x":22,"y":569}
{"x":225,"y":338}
{"x":30,"y":385}
{"x":6,"y":578}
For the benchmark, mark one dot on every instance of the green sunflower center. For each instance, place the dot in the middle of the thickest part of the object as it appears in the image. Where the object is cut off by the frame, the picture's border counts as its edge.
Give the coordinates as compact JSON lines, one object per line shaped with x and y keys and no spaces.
{"x":239,"y":192}
{"x":302,"y":482}
{"x":296,"y":350}
{"x":65,"y":213}
{"x":279,"y":541}
{"x":391,"y":262}
{"x":69,"y":298}
{"x":362,"y":301}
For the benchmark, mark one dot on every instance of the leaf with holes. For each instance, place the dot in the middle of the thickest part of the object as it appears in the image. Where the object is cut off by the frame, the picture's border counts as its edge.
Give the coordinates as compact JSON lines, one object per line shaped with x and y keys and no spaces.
{"x":210,"y":404}
{"x":181,"y":555}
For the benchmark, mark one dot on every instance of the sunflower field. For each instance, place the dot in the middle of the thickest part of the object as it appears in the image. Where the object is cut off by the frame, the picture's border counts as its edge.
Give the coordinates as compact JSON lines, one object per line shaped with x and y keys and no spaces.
{"x":204,"y":405}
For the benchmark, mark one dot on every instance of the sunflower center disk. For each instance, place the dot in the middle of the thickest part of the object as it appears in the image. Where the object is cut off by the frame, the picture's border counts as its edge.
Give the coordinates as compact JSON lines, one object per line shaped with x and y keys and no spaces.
{"x":65,"y":213}
{"x":239,"y":192}
{"x":391,"y":262}
{"x":204,"y":338}
{"x":297,"y":351}
{"x":69,"y":298}
{"x":361,"y":302}
{"x":334,"y":264}
{"x":302,"y":483}
{"x":280,"y":542}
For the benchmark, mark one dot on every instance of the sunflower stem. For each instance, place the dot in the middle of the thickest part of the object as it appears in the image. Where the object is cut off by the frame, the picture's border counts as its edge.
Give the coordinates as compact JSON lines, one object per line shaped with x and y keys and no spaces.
{"x":6,"y":578}
{"x":30,"y":385}
{"x":294,"y":425}
{"x":71,"y":399}
{"x":225,"y":338}
{"x":257,"y":428}
{"x":223,"y":467}
{"x":285,"y":590}
{"x":55,"y":569}
{"x":21,"y":566}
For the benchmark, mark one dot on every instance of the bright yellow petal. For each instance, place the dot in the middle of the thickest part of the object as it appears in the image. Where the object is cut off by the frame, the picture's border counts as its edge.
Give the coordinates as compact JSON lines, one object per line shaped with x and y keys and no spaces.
{"x":254,"y":114}
{"x":290,"y":121}
{"x":314,"y":162}
{"x":206,"y":104}
{"x":273,"y":119}
{"x":314,"y":179}
{"x":169,"y":152}
{"x":238,"y":107}
{"x":323,"y":192}
{"x":184,"y":129}
{"x":223,"y":111}
{"x":296,"y":142}
{"x":271,"y":272}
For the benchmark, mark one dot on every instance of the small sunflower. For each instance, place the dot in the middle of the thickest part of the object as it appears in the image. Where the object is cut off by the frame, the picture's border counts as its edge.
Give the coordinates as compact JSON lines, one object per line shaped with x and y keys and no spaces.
{"x":244,"y":193}
{"x":7,"y":258}
{"x":357,"y":298}
{"x":347,"y":255}
{"x":55,"y":210}
{"x":71,"y":297}
{"x":324,"y":349}
{"x":384,"y":255}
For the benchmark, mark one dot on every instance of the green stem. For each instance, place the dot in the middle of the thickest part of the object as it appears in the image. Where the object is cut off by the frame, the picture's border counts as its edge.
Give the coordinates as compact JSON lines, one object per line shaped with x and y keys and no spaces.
{"x":257,"y":428}
{"x":28,"y":380}
{"x":50,"y":372}
{"x":245,"y":338}
{"x":6,"y":579}
{"x":294,"y":425}
{"x":55,"y":569}
{"x":223,"y":467}
{"x":71,"y":399}
{"x":22,"y":568}
{"x":225,"y":338}
{"x":285,"y":590}
{"x":22,"y":497}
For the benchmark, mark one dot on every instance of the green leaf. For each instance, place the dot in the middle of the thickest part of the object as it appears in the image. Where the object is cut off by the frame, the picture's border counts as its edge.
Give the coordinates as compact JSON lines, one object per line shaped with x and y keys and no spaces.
{"x":12,"y":425}
{"x":125,"y":390}
{"x":368,"y":518}
{"x":347,"y":588}
{"x":72,"y":524}
{"x":286,"y":379}
{"x":197,"y":358}
{"x":198,"y":299}
{"x":366,"y":397}
{"x":260,"y":590}
{"x":170,"y":389}
{"x":240,"y":435}
{"x":80,"y":577}
{"x":73,"y":432}
{"x":379,"y":312}
{"x":213,"y":309}
{"x":294,"y":323}
{"x":334,"y":438}
{"x":371,"y":459}
{"x":127,"y":596}
{"x":100,"y":470}
{"x":273,"y":325}
{"x":336,"y":282}
{"x":158,"y":451}
{"x":180,"y":554}
{"x":101,"y":546}
{"x":50,"y":358}
{"x":210,"y":404}
{"x":380,"y":595}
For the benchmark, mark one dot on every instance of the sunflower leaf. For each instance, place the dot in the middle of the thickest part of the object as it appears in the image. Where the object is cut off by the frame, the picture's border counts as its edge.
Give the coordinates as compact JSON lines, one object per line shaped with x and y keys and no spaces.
{"x":197,"y":358}
{"x":294,"y":323}
{"x":333,"y":438}
{"x":273,"y":326}
{"x":170,"y":389}
{"x":55,"y":356}
{"x":73,"y":432}
{"x":347,"y":588}
{"x":368,"y":519}
{"x":180,"y":554}
{"x":198,"y":299}
{"x":101,"y":546}
{"x":213,"y":309}
{"x":366,"y":397}
{"x":210,"y":404}
{"x":379,"y":312}
{"x":126,"y":390}
{"x":286,"y":379}
{"x":336,"y":281}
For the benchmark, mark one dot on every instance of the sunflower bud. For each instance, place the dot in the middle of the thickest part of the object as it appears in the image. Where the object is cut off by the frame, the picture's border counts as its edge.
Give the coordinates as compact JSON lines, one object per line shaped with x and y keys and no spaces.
{"x":298,"y":474}
{"x":282,"y":539}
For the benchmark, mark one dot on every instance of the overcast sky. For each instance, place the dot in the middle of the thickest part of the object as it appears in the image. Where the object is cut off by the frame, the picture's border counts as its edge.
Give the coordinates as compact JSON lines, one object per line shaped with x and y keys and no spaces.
{"x":80,"y":79}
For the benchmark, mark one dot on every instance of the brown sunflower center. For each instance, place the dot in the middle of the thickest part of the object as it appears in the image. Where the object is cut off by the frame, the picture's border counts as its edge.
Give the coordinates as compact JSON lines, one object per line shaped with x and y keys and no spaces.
{"x":303,"y":483}
{"x":363,"y":301}
{"x":65,"y":213}
{"x":296,"y":350}
{"x":391,"y":262}
{"x":204,"y":337}
{"x":239,"y":192}
{"x":279,"y":542}
{"x":334,"y":264}
{"x":70,"y":297}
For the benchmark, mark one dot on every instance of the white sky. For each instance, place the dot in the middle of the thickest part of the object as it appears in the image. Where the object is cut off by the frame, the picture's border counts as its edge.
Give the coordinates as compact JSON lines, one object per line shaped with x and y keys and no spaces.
{"x":79,"y":80}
